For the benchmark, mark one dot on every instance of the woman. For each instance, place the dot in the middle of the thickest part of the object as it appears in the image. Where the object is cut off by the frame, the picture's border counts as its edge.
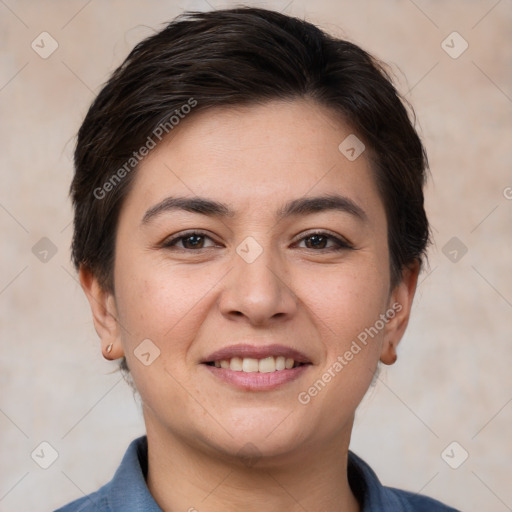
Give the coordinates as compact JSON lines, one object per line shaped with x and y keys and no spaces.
{"x":249,"y":229}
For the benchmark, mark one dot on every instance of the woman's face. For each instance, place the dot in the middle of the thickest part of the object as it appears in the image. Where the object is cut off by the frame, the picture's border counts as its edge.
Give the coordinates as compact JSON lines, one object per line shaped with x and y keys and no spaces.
{"x":250,"y":238}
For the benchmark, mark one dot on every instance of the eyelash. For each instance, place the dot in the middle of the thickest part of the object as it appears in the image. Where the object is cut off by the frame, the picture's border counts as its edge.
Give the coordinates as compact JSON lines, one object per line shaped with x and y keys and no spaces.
{"x":340,"y":243}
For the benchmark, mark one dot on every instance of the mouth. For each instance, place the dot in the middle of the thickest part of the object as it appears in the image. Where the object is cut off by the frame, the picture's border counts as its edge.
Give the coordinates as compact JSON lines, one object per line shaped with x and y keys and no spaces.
{"x":268,"y":364}
{"x":256,"y":368}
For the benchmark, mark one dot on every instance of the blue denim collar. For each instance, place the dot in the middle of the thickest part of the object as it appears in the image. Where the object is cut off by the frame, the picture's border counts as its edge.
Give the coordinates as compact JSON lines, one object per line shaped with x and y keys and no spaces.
{"x":127,"y":491}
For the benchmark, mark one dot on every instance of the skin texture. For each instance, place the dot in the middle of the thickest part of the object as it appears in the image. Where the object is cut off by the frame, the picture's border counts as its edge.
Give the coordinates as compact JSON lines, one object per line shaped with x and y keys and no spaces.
{"x":191,"y":302}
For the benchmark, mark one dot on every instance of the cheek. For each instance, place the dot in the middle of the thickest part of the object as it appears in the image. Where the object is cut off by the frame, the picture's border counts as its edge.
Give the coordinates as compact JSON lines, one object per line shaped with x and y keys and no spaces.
{"x":345,"y":304}
{"x":162,"y":303}
{"x":167,"y":306}
{"x":346,"y":300}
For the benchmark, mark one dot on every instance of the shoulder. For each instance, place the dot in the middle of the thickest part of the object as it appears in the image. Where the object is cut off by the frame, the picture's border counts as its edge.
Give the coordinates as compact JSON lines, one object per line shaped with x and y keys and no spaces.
{"x":95,"y":502}
{"x":375,"y":497}
{"x":126,"y":491}
{"x":417,"y":502}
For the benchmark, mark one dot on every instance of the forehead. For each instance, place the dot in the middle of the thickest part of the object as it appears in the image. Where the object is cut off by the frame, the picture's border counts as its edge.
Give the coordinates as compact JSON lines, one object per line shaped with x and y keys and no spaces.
{"x":258,"y":156}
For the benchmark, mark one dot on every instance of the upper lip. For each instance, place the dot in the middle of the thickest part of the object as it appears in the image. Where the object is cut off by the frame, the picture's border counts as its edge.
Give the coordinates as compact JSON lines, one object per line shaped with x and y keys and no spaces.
{"x":256,"y":352}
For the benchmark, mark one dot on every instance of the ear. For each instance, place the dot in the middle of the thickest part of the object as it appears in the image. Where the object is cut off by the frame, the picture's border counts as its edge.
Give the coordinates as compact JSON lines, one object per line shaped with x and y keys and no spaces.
{"x":104,"y":314}
{"x":399,"y":310}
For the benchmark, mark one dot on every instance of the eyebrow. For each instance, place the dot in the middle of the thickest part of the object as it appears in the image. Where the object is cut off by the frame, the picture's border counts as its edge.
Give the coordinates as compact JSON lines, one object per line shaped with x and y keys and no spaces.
{"x":189,"y":204}
{"x":301,"y":206}
{"x":308,"y":205}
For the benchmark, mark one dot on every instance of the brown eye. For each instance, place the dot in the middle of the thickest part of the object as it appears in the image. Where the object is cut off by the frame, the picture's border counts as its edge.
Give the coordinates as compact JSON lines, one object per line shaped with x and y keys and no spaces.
{"x":324,"y":241}
{"x":191,"y":241}
{"x":316,"y":242}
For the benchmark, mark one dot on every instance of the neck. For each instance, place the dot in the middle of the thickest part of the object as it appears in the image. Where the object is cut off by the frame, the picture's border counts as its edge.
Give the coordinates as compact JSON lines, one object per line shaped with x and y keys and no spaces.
{"x":185,"y":477}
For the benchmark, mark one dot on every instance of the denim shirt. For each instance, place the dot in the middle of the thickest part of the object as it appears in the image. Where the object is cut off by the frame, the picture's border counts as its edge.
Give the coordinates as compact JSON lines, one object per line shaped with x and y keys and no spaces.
{"x":127,"y":491}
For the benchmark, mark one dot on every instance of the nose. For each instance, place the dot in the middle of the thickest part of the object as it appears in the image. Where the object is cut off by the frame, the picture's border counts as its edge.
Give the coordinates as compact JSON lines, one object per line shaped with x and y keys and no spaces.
{"x":257,"y":292}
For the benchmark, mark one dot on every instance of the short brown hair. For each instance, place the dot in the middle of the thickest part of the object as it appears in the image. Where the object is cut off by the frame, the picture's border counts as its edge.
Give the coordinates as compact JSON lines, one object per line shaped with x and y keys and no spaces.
{"x":235,"y":57}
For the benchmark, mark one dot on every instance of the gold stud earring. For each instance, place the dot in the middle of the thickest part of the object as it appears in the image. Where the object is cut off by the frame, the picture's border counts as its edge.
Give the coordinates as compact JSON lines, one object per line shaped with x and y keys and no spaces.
{"x":109,"y":348}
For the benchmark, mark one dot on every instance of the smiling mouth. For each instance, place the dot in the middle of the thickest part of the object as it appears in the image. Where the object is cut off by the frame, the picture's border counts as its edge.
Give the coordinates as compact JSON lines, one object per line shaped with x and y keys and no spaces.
{"x":251,"y":365}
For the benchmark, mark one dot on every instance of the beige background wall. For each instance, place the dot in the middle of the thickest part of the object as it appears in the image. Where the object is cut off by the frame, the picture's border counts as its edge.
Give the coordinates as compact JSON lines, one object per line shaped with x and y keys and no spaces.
{"x":452,"y":381}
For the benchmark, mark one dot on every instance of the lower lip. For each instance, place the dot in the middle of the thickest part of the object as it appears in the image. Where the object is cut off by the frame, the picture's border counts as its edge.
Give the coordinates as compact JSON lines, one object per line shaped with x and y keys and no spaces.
{"x":256,"y":381}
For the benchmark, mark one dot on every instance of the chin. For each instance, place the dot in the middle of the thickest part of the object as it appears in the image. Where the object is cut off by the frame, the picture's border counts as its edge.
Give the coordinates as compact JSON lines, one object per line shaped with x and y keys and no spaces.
{"x":258,"y":435}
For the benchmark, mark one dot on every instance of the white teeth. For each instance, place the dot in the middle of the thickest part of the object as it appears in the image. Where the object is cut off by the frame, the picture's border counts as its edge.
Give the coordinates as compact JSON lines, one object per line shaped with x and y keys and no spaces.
{"x":236,"y":364}
{"x":267,"y":365}
{"x":250,"y":365}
